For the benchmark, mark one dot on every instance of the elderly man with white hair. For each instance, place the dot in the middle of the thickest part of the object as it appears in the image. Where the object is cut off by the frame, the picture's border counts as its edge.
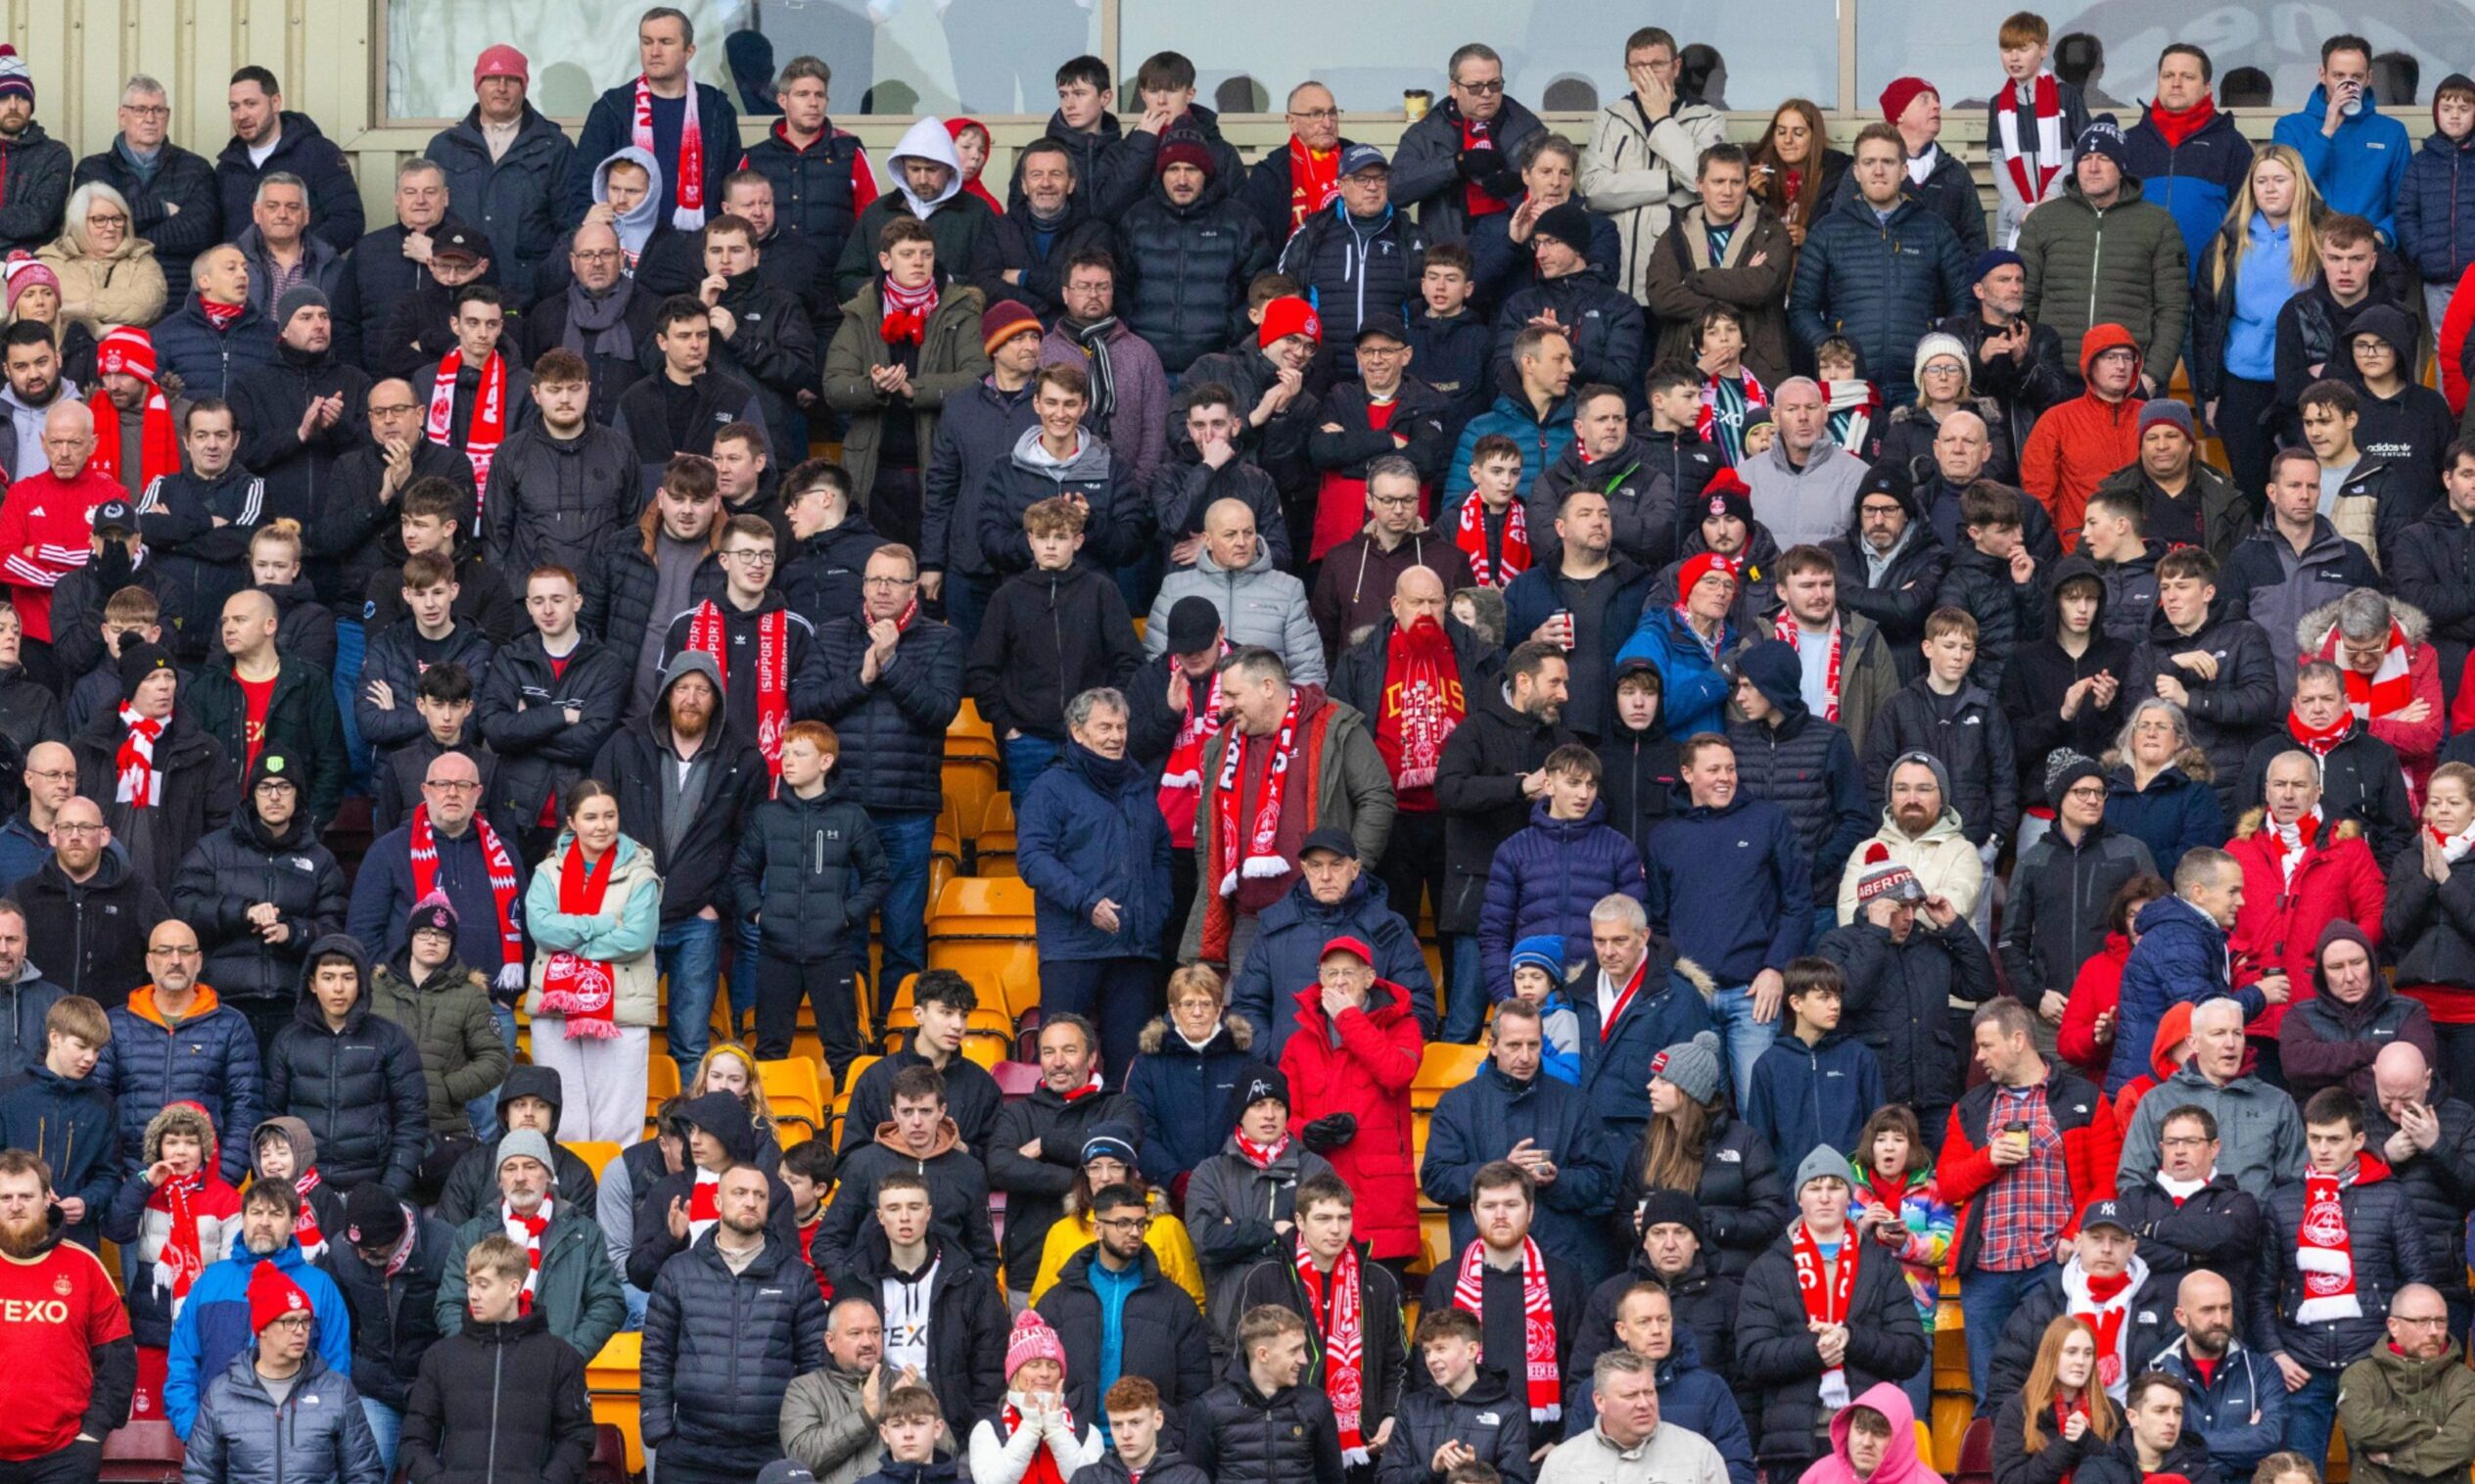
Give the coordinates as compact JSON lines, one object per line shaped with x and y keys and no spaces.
{"x":46,"y":528}
{"x":1804,"y":487}
{"x":2260,"y":1135}
{"x":2427,"y":1136}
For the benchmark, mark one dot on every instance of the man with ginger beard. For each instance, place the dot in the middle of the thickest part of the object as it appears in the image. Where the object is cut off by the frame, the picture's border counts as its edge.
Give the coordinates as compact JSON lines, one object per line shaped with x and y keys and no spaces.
{"x":686,"y":782}
{"x":75,"y":1358}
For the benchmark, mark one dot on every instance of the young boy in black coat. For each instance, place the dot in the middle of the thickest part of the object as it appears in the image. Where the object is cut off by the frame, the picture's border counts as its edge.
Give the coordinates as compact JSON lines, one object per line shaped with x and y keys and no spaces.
{"x":1050,"y":634}
{"x":502,"y":1396}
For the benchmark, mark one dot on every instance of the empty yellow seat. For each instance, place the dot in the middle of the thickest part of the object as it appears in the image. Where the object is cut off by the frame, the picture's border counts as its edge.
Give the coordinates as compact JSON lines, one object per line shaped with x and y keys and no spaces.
{"x":596,"y":1153}
{"x":1444,"y":1067}
{"x":797,"y":1090}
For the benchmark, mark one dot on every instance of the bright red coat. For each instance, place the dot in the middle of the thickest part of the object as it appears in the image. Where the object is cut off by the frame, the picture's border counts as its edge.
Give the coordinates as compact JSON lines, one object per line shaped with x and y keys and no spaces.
{"x":1367,"y":1076}
{"x":2280,"y":920}
{"x":2095,"y":989}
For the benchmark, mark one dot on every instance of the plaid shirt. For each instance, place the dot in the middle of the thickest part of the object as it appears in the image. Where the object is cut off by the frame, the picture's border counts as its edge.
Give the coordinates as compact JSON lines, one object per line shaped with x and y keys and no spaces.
{"x":2029,"y":1204}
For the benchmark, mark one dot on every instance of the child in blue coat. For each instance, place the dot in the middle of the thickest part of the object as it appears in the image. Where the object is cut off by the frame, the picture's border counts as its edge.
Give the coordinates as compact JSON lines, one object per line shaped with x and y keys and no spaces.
{"x":1817,"y":1084}
{"x":1538,"y":976}
{"x":65,"y":1119}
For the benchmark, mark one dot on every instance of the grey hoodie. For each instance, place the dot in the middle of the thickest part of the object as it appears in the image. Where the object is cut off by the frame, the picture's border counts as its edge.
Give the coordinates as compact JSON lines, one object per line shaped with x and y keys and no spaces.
{"x":926,"y":140}
{"x":24,"y":450}
{"x":1258,"y":605}
{"x":637,"y":227}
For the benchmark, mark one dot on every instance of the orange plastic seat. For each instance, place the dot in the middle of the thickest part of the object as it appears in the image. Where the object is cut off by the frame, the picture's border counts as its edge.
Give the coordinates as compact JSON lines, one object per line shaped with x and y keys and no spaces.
{"x":1443,"y":1067}
{"x":798,"y":1091}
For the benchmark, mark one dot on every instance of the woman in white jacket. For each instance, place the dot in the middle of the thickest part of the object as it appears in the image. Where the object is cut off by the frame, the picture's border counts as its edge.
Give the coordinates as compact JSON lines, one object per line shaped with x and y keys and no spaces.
{"x":1032,"y":1437}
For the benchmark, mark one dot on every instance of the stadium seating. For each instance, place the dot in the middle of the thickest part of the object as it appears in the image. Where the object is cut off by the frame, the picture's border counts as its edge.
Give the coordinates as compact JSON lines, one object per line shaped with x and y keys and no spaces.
{"x":796,"y":1091}
{"x":145,"y":1452}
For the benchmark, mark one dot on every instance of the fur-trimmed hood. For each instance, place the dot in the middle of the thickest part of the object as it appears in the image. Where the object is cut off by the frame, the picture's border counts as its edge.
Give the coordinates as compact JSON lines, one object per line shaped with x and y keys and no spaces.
{"x":1700,"y":978}
{"x":2191,"y":763}
{"x":2311,"y":630}
{"x":2254,"y":820}
{"x":1235,"y":1029}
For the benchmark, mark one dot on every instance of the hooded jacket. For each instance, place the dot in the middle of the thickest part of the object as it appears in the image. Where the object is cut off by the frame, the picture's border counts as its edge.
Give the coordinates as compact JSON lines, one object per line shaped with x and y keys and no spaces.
{"x":957,"y":1191}
{"x":1945,"y":861}
{"x":970,"y":249}
{"x":245,"y":863}
{"x":335,"y":200}
{"x":640,"y":764}
{"x":472,"y":1187}
{"x":2410,"y":431}
{"x":1642,"y":768}
{"x":1183,"y":1090}
{"x":727,"y":1119}
{"x":300,"y":722}
{"x":359,"y":1088}
{"x":1545,"y":879}
{"x":1802,"y":764}
{"x":2124,"y":264}
{"x":2078,"y":443}
{"x":1776,"y":1359}
{"x":446,"y":1014}
{"x":2435,"y":200}
{"x":2417,"y":1414}
{"x":1694,"y":693}
{"x":2041,"y":673}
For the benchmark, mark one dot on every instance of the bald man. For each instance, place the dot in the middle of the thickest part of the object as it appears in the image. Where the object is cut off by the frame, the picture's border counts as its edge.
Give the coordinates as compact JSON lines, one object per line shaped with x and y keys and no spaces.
{"x":49,"y":779}
{"x":2428,"y":1137}
{"x":2234,"y":1399}
{"x":46,"y":528}
{"x":1258,"y":603}
{"x":254,"y":698}
{"x":2409,"y":1405}
{"x":598,"y":292}
{"x":216,"y":1065}
{"x":1442,"y":663}
{"x":213,"y":339}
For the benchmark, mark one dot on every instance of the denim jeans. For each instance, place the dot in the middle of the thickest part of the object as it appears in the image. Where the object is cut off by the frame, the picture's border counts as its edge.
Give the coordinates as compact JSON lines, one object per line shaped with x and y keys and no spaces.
{"x":352,"y":646}
{"x":1466,"y":989}
{"x":2311,"y":1412}
{"x":1120,"y":996}
{"x":1026,"y":758}
{"x":387,"y":1425}
{"x":966,"y":602}
{"x":689,"y":952}
{"x":1742,"y":1036}
{"x":483,"y":1110}
{"x":739,"y":986}
{"x":903,"y":921}
{"x":1985,"y":1301}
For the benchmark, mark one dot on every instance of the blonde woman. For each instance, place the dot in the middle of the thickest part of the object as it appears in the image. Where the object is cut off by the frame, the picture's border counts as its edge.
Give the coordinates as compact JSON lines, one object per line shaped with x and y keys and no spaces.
{"x":2265,"y":253}
{"x":729,"y":1067}
{"x":108,"y":273}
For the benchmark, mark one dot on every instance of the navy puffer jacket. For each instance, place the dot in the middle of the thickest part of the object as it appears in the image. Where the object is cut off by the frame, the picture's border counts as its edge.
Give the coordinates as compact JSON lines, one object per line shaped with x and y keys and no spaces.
{"x":719,"y":1350}
{"x":1290,"y":939}
{"x":2436,"y":206}
{"x":1183,"y":1092}
{"x":1089,"y":830}
{"x":1878,"y":283}
{"x":515,"y":198}
{"x":893,"y":731}
{"x":1182,"y":273}
{"x":1805,"y":765}
{"x":360,"y":1089}
{"x":2389,"y":1251}
{"x":1545,"y":879}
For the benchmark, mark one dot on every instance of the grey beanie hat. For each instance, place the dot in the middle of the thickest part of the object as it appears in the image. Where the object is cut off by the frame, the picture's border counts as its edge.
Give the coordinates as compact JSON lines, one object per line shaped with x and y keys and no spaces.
{"x":1941,"y":775}
{"x":300,"y":296}
{"x":1824,"y":1163}
{"x":1692,"y":1065}
{"x":529,"y":1143}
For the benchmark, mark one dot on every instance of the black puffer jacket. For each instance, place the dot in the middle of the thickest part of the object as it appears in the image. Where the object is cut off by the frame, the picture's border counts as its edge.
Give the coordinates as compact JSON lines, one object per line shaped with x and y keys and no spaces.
{"x":1606,"y":323}
{"x":552,"y":500}
{"x":1353,"y":271}
{"x":1162,"y":1338}
{"x":1704,"y":1306}
{"x":1237,"y":1435}
{"x":245,"y":863}
{"x":967,"y":1324}
{"x":394,"y":1319}
{"x":91,"y":936}
{"x":820,"y":576}
{"x":2229,"y":713}
{"x":2009,"y":614}
{"x":620,"y":584}
{"x":1641,"y":495}
{"x":1642,"y":769}
{"x":359,"y":1089}
{"x":1047,"y":637}
{"x":2439,"y":1183}
{"x":522,"y":713}
{"x":349,"y":526}
{"x":1974,"y":743}
{"x":893,"y":732}
{"x":1742,"y":1193}
{"x":395,"y":658}
{"x":1482,"y":1418}
{"x":1899,"y":997}
{"x":1384,"y":1358}
{"x":2054,"y":920}
{"x":719,"y":1350}
{"x":1183,"y":272}
{"x":2148,"y":1328}
{"x":2387,"y":1243}
{"x":472,"y":1187}
{"x":1807,"y":766}
{"x":811,"y":871}
{"x":514,"y":196}
{"x":1909,"y":582}
{"x":1035,"y":1188}
{"x":2217,"y":1227}
{"x":499,"y":1401}
{"x":1777,"y":1360}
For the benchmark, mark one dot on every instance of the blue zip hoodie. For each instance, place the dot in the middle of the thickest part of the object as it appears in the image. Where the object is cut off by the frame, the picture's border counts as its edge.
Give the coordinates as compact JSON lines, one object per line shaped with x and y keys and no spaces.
{"x":1805,"y":1096}
{"x":215,"y":1325}
{"x":2358,"y":167}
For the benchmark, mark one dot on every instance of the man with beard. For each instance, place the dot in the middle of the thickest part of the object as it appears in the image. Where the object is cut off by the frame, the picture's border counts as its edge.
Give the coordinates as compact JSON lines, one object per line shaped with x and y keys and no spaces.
{"x":2232,"y":1397}
{"x":77,"y":1363}
{"x":301,"y":415}
{"x":1130,"y":392}
{"x":213,"y":1326}
{"x":686,"y":781}
{"x":1501,"y":1274}
{"x":1491,"y":775}
{"x":761,"y":334}
{"x":1585,"y":605}
{"x":829,"y":1415}
{"x":36,"y":387}
{"x":562,"y":480}
{"x":730,"y":1321}
{"x":83,"y":880}
{"x":1889,"y":565}
{"x":134,"y":439}
{"x":575,"y":1287}
{"x":601,"y":314}
{"x":197,"y":524}
{"x":268,"y":138}
{"x":33,"y":167}
{"x":260,"y":699}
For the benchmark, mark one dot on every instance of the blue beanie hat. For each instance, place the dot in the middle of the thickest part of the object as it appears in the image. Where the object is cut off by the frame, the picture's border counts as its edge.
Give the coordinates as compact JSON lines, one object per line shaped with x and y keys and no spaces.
{"x":1541,"y":950}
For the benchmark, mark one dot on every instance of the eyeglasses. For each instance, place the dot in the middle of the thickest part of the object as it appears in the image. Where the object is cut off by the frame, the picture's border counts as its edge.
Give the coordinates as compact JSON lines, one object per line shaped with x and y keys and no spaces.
{"x":1123,"y":1223}
{"x":2087,"y":793}
{"x":52,"y":774}
{"x":391,"y":409}
{"x":1486,"y":89}
{"x":597,"y":254}
{"x":293,"y":1321}
{"x":273,"y":786}
{"x":1316,"y":115}
{"x":78,"y":831}
{"x":889,"y":582}
{"x":752,"y":558}
{"x":2420,"y":1321}
{"x":147,"y":110}
{"x":1393,"y":501}
{"x":453,"y":785}
{"x":174,"y":951}
{"x":106,"y":219}
{"x":2182,"y":1141}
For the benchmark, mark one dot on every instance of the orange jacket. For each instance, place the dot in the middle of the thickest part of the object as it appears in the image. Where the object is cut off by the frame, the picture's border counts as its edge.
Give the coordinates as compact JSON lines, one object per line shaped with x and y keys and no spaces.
{"x":2079,"y":442}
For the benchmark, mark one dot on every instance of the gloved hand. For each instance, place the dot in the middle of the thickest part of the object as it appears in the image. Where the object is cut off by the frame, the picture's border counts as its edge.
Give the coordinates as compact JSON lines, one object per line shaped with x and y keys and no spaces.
{"x":510,"y":983}
{"x":1475,"y":165}
{"x":1329,"y":1132}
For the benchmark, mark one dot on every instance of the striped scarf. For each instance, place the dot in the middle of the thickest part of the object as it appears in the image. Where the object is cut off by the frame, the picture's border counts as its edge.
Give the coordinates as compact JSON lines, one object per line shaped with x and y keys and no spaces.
{"x":138,"y":785}
{"x":527,"y":1230}
{"x":1538,"y":1312}
{"x":503,"y":886}
{"x":1344,"y":1337}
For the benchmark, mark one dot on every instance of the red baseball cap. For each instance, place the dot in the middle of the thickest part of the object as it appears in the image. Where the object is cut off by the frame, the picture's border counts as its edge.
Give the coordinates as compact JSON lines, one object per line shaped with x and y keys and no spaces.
{"x":1355,"y":947}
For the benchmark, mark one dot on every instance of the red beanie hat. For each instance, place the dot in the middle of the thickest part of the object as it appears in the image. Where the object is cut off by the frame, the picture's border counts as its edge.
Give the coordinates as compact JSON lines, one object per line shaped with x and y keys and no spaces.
{"x":1283,"y":318}
{"x":127,"y":349}
{"x":1698,"y":566}
{"x":1901,"y":92}
{"x":273,"y":1295}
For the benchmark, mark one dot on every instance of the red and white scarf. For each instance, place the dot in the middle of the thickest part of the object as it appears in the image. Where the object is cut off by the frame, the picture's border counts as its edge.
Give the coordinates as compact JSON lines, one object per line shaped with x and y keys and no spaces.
{"x":2388,"y":689}
{"x":1705,"y":418}
{"x":159,"y":446}
{"x":1786,"y":632}
{"x":528,"y":1231}
{"x":2324,"y":1250}
{"x":182,"y":1256}
{"x":1623,"y":998}
{"x":1256,"y":855}
{"x":907,"y":312}
{"x":222,"y":316}
{"x":2454,"y":848}
{"x":691,"y":214}
{"x":1538,"y":1313}
{"x":2294,"y":841}
{"x":2105,"y":1303}
{"x":503,"y":886}
{"x":1044,"y":1464}
{"x":1423,"y":702}
{"x":1258,"y":1155}
{"x":488,"y":428}
{"x":1344,"y":1342}
{"x":704,"y":1204}
{"x":2049,"y":135}
{"x":772,"y":671}
{"x":1182,"y":777}
{"x":584,"y":991}
{"x":2318,"y":742}
{"x":1827,"y":1290}
{"x":305,"y":1221}
{"x":1470,"y":534}
{"x":138,"y":784}
{"x":1313,"y":180}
